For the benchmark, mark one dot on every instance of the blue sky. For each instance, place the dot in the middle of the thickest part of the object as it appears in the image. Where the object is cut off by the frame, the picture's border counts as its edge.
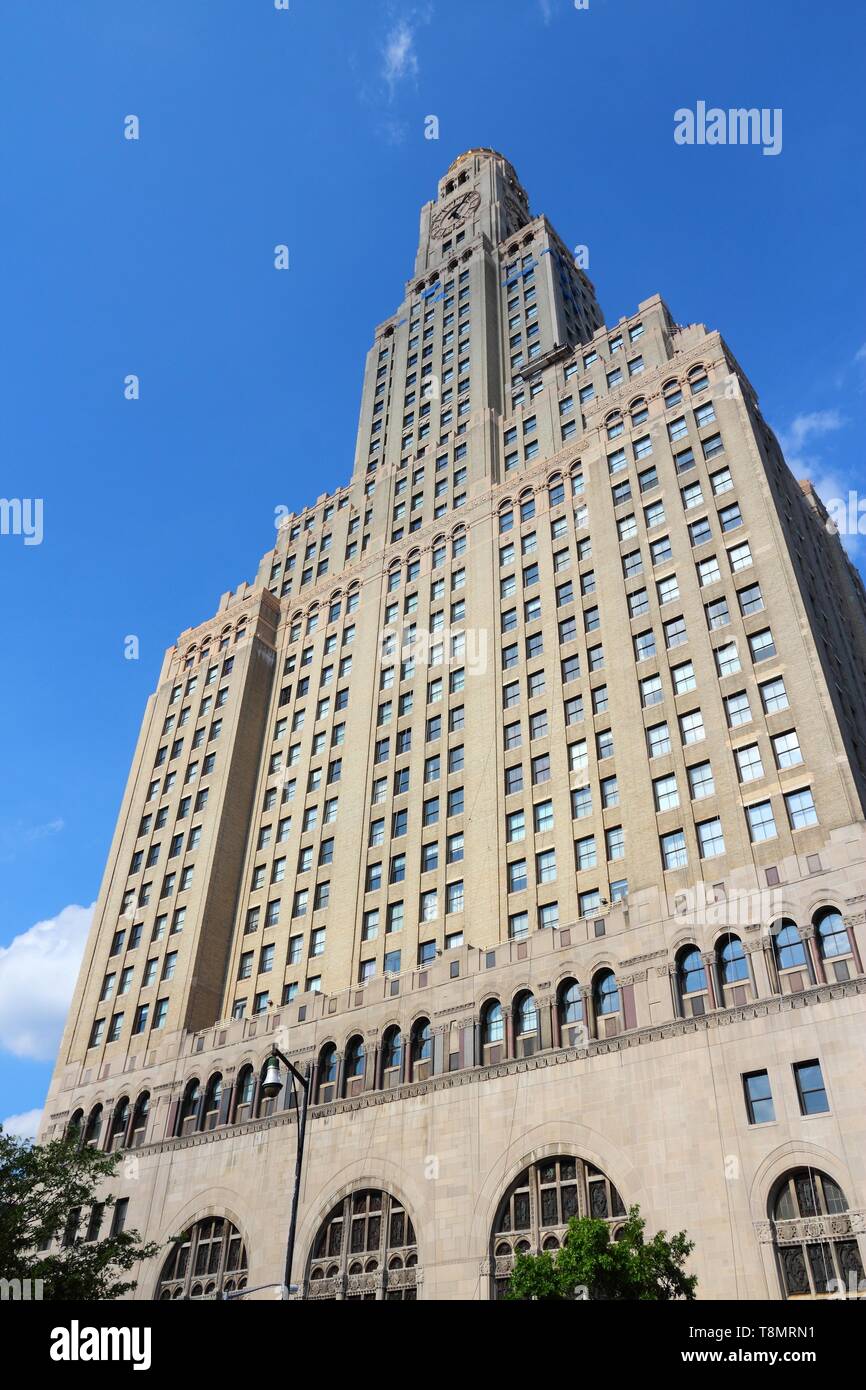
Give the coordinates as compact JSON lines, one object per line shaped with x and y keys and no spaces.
{"x":261,"y":126}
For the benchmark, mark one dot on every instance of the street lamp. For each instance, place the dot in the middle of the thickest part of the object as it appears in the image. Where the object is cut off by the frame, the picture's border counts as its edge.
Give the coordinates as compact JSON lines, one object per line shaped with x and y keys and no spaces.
{"x":272,"y":1084}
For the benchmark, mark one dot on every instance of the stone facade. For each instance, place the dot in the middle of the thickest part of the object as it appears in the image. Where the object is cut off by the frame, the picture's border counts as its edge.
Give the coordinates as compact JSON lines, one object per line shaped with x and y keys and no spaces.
{"x":521,"y":798}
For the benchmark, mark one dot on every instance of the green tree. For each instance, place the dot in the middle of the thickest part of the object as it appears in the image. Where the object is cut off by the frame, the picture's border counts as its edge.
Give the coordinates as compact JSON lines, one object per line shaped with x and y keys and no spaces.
{"x":590,"y":1265}
{"x":41,"y":1186}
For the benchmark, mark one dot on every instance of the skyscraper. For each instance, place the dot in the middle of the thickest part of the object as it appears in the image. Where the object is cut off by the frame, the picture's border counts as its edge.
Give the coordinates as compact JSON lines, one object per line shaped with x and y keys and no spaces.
{"x":520,"y":797}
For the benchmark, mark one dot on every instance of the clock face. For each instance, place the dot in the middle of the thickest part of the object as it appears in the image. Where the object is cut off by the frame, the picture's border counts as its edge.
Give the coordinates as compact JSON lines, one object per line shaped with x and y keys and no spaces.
{"x":455,"y":213}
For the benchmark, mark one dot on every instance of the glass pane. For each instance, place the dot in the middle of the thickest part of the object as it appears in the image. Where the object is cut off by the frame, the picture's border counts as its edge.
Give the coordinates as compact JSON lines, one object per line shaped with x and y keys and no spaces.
{"x":521,"y":1211}
{"x":549,"y":1207}
{"x":598,"y":1200}
{"x":794,"y":1276}
{"x":806,"y":1196}
{"x":821,"y":1265}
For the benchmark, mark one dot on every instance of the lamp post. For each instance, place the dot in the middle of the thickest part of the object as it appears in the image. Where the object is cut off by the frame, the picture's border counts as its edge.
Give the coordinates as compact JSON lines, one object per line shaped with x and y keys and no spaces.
{"x":272,"y":1084}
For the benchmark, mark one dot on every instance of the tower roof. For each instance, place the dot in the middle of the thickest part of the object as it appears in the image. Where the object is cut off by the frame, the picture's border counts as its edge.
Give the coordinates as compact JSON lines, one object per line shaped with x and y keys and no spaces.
{"x":479,"y":149}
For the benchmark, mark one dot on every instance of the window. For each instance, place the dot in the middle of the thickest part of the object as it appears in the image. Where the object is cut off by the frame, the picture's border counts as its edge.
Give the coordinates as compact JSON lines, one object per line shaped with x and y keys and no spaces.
{"x":692,"y":727}
{"x":813,"y":1261}
{"x":749,"y":765}
{"x":727,"y":659}
{"x":673,"y":847}
{"x":683,"y":677}
{"x":751,"y":599}
{"x":759,"y":1098}
{"x":454,"y":900}
{"x":710,"y":838}
{"x":665,"y":792}
{"x":209,"y":1259}
{"x":833,"y":941}
{"x":718,"y":614}
{"x":773,"y":695}
{"x":733,"y":969}
{"x":658,"y":740}
{"x":811,"y":1092}
{"x":762,"y":825}
{"x":761,"y":645}
{"x":737,"y":709}
{"x":701,"y":783}
{"x":801,"y":808}
{"x":692,"y":981}
{"x":536,"y":1209}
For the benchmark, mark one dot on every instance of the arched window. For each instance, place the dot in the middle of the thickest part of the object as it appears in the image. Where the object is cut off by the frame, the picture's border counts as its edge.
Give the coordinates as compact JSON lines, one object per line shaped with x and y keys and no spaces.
{"x":365,"y":1250}
{"x":75,"y":1128}
{"x":188,"y":1117}
{"x":421,"y":1052}
{"x":834,"y":943}
{"x":817,"y":1256}
{"x":212,"y":1098}
{"x":244,"y":1093}
{"x":607,"y":1005}
{"x":527,"y":1035}
{"x":535,"y":1211}
{"x":555,"y":490}
{"x":692,"y":982}
{"x":326,"y":1075}
{"x":356,"y":1061}
{"x":613,"y":424}
{"x":139,"y":1120}
{"x":789,"y":953}
{"x":733,"y":970}
{"x":119,"y":1121}
{"x":210,"y":1259}
{"x":492,"y":1032}
{"x":569,"y":1008}
{"x":698,"y":379}
{"x":94,"y":1128}
{"x":392,"y":1058}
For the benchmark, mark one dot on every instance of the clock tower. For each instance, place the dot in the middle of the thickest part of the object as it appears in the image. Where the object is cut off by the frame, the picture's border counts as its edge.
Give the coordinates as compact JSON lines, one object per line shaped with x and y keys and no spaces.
{"x":495,"y":296}
{"x":479,"y":194}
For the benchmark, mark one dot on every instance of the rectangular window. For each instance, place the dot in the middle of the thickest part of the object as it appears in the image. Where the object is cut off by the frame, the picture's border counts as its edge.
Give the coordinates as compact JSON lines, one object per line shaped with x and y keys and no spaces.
{"x":811,"y":1091}
{"x":762,"y":825}
{"x":666,"y":794}
{"x":761,"y":645}
{"x":759,"y":1098}
{"x":673,"y":847}
{"x":710,"y":838}
{"x":658,"y":740}
{"x":800,"y":806}
{"x":750,"y":768}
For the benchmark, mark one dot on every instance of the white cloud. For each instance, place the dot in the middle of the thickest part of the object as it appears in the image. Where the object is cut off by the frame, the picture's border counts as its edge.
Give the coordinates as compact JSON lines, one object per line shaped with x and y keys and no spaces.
{"x":840,"y":494}
{"x":400,"y":59}
{"x":810,"y":426}
{"x":38,"y":970}
{"x":23,"y":1126}
{"x":17,"y":836}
